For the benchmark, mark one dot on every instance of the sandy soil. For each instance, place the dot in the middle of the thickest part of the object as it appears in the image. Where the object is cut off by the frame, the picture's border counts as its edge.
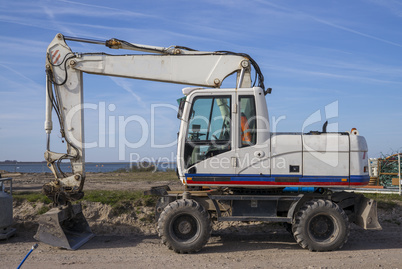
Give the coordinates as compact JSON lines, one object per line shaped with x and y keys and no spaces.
{"x":130,"y":241}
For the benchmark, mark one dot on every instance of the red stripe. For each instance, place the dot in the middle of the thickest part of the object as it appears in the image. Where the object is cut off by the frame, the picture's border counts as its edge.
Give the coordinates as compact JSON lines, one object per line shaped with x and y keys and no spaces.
{"x":58,"y":57}
{"x":259,"y":183}
{"x":54,"y":55}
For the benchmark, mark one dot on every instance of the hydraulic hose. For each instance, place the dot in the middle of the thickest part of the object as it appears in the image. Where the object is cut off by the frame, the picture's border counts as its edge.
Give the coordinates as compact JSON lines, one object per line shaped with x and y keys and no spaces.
{"x":29,"y":253}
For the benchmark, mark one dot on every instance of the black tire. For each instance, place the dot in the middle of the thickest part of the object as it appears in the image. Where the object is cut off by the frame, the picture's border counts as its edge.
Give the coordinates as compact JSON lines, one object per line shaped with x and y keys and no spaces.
{"x":321,"y":225}
{"x":184,"y":226}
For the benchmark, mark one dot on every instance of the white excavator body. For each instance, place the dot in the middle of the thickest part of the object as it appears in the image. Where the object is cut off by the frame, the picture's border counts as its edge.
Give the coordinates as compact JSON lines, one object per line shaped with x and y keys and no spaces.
{"x":225,"y":145}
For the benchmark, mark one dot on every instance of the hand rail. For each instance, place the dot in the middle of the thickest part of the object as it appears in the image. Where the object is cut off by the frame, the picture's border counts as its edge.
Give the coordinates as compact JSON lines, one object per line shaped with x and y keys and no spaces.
{"x":2,"y":187}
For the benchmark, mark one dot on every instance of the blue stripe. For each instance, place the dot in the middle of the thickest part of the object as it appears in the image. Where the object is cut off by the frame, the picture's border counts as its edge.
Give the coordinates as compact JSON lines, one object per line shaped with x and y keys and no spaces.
{"x":359,"y":179}
{"x":271,"y":178}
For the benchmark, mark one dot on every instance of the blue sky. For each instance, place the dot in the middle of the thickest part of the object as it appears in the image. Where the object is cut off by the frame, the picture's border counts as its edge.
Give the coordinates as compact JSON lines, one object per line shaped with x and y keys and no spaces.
{"x":314,"y":54}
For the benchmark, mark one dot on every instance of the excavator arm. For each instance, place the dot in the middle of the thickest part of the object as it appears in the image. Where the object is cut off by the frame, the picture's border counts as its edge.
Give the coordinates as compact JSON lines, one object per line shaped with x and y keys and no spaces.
{"x":64,"y":91}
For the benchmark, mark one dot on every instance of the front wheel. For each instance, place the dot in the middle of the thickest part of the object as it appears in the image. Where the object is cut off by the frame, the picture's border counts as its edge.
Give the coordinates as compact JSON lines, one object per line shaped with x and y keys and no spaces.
{"x":321,"y":225}
{"x":184,"y":226}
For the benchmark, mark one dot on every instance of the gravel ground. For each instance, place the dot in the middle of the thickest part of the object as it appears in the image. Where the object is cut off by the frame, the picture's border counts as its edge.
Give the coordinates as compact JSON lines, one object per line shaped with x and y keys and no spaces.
{"x":126,"y":242}
{"x":273,"y":249}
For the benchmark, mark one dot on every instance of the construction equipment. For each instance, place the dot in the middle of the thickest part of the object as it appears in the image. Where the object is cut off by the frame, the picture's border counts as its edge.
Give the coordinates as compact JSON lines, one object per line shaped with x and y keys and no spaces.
{"x":6,"y":208}
{"x":232,"y":166}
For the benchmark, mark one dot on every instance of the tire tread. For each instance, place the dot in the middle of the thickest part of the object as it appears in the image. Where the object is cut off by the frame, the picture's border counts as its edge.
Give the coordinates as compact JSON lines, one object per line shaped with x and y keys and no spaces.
{"x":193,"y":207}
{"x":301,"y":216}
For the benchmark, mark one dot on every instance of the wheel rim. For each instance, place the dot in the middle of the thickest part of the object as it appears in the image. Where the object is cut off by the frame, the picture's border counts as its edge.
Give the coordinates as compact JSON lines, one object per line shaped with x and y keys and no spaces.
{"x":184,"y":228}
{"x":322,"y":228}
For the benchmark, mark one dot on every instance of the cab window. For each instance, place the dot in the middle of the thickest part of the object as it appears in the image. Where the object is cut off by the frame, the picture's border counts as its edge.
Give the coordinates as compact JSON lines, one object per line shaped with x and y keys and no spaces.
{"x":209,"y":131}
{"x":247,"y":126}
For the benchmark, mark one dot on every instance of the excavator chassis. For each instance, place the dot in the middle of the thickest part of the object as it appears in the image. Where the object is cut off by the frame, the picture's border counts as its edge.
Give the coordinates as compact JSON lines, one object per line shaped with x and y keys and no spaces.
{"x":319,"y":220}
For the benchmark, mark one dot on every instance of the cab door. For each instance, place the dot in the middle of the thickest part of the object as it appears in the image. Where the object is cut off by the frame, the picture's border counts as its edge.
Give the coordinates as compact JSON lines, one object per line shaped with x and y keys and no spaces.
{"x":252,"y":135}
{"x":208,"y":149}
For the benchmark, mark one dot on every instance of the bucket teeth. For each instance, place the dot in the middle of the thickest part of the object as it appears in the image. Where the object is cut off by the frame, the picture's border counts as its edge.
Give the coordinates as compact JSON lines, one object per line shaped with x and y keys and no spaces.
{"x":64,"y":227}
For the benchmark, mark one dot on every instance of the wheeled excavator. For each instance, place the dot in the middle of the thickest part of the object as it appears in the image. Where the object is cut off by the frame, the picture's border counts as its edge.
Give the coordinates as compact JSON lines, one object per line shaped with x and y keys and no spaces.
{"x":233,"y":168}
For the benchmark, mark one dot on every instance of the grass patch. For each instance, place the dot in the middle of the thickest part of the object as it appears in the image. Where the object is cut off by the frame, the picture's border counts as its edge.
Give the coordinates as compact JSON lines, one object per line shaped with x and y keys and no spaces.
{"x":384,"y":197}
{"x":113,"y":198}
{"x":121,"y":201}
{"x":385,"y":201}
{"x":32,"y":197}
{"x":43,"y":210}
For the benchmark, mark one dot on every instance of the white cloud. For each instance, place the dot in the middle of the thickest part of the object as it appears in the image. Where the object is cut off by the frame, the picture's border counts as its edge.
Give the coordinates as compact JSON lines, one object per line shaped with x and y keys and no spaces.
{"x":98,"y":10}
{"x":347,"y":29}
{"x":295,"y":12}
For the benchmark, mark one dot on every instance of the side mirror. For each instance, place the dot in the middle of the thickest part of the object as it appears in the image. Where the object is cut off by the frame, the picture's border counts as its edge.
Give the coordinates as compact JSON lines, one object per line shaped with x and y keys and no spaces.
{"x":181,"y":101}
{"x":268,"y":91}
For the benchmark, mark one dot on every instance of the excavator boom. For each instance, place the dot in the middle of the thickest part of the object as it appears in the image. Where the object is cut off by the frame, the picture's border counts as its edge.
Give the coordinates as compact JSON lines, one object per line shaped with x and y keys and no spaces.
{"x":64,"y":70}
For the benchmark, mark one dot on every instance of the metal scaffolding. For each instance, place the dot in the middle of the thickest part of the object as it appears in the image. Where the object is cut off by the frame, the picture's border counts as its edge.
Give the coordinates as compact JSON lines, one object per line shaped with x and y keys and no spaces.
{"x":386,"y":172}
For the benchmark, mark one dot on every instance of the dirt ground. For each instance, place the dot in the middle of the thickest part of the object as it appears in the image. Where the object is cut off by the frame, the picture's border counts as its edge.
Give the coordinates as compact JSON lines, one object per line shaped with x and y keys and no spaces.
{"x":127,"y":241}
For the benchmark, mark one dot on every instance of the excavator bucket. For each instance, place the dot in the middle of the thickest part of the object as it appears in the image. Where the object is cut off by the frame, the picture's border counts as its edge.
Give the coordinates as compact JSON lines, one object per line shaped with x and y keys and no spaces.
{"x":64,"y":227}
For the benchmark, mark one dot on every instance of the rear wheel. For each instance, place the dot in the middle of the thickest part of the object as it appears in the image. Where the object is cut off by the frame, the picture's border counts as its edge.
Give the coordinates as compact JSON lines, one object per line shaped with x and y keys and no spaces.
{"x":321,"y":225}
{"x":184,"y":226}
